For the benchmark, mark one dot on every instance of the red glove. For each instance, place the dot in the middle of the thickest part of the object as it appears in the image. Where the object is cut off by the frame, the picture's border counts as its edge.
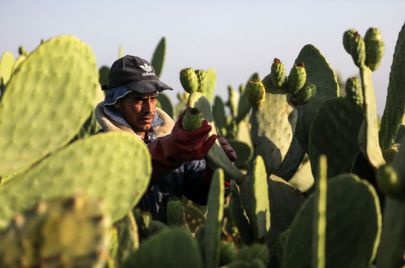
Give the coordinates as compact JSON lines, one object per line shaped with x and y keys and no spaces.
{"x":230,"y":152}
{"x":171,"y":151}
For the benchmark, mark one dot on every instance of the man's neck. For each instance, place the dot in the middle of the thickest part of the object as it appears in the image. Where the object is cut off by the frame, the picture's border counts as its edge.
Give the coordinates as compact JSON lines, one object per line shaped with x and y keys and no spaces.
{"x":141,"y":134}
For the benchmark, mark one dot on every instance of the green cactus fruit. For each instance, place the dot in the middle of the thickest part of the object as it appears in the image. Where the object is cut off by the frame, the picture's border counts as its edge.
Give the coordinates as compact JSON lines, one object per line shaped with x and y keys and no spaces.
{"x":394,"y":109}
{"x":348,"y":40}
{"x":6,"y":67}
{"x":277,"y":73}
{"x":202,"y":79}
{"x":80,"y":166}
{"x":374,"y":48}
{"x":227,"y":252}
{"x":192,"y":119}
{"x":305,"y":94}
{"x":353,"y":224}
{"x":354,"y":91}
{"x":189,"y":80}
{"x":297,"y":77}
{"x":170,"y":248}
{"x":22,"y":51}
{"x":69,"y":232}
{"x":215,"y":213}
{"x":255,"y":92}
{"x":255,"y":251}
{"x":47,"y":76}
{"x":389,"y":183}
{"x":175,"y":211}
{"x":158,"y":57}
{"x":359,"y":51}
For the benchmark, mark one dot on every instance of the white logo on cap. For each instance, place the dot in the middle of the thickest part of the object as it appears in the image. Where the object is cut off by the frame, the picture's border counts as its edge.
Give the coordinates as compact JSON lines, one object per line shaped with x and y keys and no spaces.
{"x":148,"y":69}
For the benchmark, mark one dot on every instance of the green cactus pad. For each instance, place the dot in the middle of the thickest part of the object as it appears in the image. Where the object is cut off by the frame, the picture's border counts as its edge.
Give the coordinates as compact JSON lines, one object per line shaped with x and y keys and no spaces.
{"x":374,"y":48}
{"x":297,"y":78}
{"x":272,"y":128}
{"x":6,"y":67}
{"x":395,"y":103}
{"x":101,"y":166}
{"x":194,"y":217}
{"x":243,"y":107}
{"x":243,"y":151}
{"x":368,"y":135}
{"x":211,"y":83}
{"x":233,"y":101}
{"x":303,"y":179}
{"x":227,"y":252}
{"x":350,"y":225}
{"x":165,"y":103}
{"x":170,"y":248}
{"x":218,"y":111}
{"x":354,"y":91}
{"x":323,"y":77}
{"x":216,"y":155}
{"x":175,"y":211}
{"x":60,"y":73}
{"x":69,"y":232}
{"x":215,"y":213}
{"x":158,"y":57}
{"x":338,"y":122}
{"x":255,"y":251}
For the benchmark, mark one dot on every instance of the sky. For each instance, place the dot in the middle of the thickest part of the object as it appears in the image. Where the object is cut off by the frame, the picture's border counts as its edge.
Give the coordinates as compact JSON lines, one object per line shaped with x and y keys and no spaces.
{"x":236,"y":38}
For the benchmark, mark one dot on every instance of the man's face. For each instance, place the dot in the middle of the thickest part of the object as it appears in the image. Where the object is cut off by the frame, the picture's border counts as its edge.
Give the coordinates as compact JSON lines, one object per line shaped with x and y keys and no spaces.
{"x":138,"y":110}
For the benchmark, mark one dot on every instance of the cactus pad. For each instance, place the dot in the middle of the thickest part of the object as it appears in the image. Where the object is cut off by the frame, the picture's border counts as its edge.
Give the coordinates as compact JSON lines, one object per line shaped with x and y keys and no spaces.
{"x":189,"y":80}
{"x":350,"y":225}
{"x":6,"y":67}
{"x":60,"y":73}
{"x":100,"y":166}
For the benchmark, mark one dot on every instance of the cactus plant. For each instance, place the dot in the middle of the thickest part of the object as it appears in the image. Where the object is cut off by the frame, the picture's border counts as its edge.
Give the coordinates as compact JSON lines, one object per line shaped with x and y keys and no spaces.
{"x":255,"y":92}
{"x":218,"y":111}
{"x":6,"y":67}
{"x":374,"y":48}
{"x":297,"y":77}
{"x":277,"y":73}
{"x":354,"y":91}
{"x":165,"y":103}
{"x":192,"y":119}
{"x":69,"y":232}
{"x":175,"y":212}
{"x":66,"y":171}
{"x":353,"y":224}
{"x":158,"y":57}
{"x":395,"y":104}
{"x":46,"y":77}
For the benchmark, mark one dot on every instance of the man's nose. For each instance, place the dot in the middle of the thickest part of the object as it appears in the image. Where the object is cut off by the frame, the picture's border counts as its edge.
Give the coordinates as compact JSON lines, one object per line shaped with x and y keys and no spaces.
{"x":147,"y":105}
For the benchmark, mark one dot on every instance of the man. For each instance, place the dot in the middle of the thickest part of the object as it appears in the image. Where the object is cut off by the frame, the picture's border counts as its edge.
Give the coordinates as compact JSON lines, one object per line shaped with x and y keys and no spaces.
{"x":177,"y":155}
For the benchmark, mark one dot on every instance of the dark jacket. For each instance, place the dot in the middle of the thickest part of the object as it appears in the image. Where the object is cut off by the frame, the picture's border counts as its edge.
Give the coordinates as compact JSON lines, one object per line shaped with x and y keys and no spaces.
{"x":189,"y":180}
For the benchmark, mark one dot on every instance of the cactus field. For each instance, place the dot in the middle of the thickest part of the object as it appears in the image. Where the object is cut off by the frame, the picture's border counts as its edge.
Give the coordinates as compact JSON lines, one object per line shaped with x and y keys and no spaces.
{"x":319,"y":179}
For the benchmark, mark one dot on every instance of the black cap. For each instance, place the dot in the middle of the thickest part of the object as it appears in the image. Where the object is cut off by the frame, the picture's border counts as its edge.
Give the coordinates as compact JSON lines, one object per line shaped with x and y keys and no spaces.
{"x":135,"y":74}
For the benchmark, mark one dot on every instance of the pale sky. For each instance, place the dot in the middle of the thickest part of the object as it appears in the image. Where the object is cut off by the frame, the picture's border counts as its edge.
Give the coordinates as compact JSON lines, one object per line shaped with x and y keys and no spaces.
{"x":236,"y":38}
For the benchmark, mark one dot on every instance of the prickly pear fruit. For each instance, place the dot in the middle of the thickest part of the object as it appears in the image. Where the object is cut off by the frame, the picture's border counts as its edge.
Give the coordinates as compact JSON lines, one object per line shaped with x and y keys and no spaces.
{"x":354,"y":45}
{"x":189,"y":80}
{"x":348,"y":40}
{"x":389,"y":182}
{"x":202,"y":80}
{"x":374,"y":48}
{"x":192,"y":119}
{"x":305,"y":94}
{"x":277,"y":73}
{"x":175,"y":212}
{"x":297,"y":77}
{"x":353,"y":90}
{"x":255,"y":92}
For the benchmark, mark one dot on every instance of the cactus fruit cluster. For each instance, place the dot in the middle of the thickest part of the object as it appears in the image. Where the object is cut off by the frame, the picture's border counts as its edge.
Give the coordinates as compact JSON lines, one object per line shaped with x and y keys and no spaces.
{"x":317,"y":181}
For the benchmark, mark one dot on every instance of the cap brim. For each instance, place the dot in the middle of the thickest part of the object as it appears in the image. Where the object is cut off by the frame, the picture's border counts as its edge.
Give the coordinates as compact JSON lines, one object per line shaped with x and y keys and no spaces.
{"x":147,"y":86}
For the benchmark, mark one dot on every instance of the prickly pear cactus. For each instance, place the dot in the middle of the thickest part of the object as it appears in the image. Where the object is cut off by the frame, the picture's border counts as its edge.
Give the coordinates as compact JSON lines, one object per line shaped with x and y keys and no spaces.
{"x":255,"y":92}
{"x":374,"y":48}
{"x":395,"y":103}
{"x":100,"y":166}
{"x":192,"y":119}
{"x":354,"y":91}
{"x":6,"y":67}
{"x":216,"y":155}
{"x":165,"y":103}
{"x":272,"y":127}
{"x":297,"y":77}
{"x":243,"y":151}
{"x":218,"y":111}
{"x":158,"y":57}
{"x":211,"y":83}
{"x":233,"y":101}
{"x":277,"y":73}
{"x":61,"y":73}
{"x":212,"y":231}
{"x":338,"y":122}
{"x":350,"y":225}
{"x":170,"y":248}
{"x":175,"y":212}
{"x":392,"y":246}
{"x":323,"y":77}
{"x":69,"y":232}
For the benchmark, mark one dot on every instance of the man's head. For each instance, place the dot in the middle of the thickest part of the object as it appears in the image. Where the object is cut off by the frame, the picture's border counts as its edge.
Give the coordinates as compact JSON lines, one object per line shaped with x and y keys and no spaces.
{"x":132,"y":89}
